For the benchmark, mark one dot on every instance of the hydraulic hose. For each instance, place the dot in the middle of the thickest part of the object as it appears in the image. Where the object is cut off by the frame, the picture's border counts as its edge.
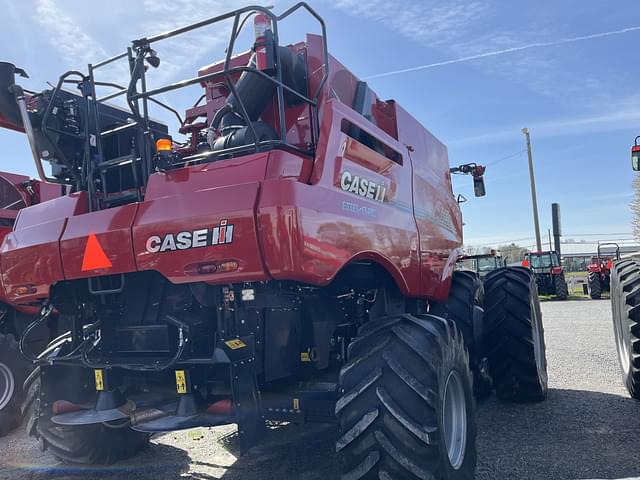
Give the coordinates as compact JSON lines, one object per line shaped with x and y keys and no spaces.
{"x":183,"y":339}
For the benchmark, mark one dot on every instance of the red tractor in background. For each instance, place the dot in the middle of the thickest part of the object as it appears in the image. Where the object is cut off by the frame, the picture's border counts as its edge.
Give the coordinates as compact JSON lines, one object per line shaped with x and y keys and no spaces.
{"x":549,"y":273}
{"x":599,"y":269}
{"x":17,"y":192}
{"x":291,"y":257}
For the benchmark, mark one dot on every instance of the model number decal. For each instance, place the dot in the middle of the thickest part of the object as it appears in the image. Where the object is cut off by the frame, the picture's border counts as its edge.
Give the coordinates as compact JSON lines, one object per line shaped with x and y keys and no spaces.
{"x":362,"y":187}
{"x":204,"y":237}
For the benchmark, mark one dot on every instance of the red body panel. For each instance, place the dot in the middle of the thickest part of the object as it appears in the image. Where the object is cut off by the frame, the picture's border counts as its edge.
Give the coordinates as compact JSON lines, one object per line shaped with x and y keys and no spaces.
{"x":16,"y":192}
{"x":113,"y":231}
{"x":292,"y":217}
{"x":201,"y":209}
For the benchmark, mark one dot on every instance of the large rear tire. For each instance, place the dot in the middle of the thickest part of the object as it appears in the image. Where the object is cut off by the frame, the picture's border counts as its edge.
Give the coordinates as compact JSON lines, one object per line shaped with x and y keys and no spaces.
{"x":625,"y":306}
{"x":14,"y":369}
{"x":562,"y":290}
{"x":98,"y":444}
{"x":515,"y":335}
{"x":465,"y":296}
{"x":406,"y":410}
{"x":595,"y":288}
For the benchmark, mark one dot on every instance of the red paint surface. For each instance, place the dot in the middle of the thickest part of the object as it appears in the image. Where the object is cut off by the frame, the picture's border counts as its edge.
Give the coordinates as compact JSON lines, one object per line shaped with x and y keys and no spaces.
{"x":21,"y":191}
{"x":94,"y":257}
{"x":291,"y":218}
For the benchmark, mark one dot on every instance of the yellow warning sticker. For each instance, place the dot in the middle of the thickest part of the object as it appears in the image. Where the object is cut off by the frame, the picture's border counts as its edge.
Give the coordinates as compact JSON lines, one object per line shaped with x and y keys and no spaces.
{"x":305,"y":357}
{"x":235,"y":344}
{"x":99,"y":380}
{"x":181,"y":381}
{"x":296,"y":404}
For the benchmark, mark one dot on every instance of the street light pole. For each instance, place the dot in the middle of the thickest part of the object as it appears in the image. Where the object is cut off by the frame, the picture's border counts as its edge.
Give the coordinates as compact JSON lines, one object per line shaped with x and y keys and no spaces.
{"x":534,"y":200}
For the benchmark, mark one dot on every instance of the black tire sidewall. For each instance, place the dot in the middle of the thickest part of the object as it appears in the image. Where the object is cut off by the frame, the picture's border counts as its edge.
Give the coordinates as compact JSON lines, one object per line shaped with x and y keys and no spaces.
{"x":536,"y":319}
{"x":18,"y":366}
{"x":454,"y":359}
{"x":621,"y":332}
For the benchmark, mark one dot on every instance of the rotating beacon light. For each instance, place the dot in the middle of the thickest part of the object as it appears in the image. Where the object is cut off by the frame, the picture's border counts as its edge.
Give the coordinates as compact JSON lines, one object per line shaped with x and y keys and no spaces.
{"x":635,"y":155}
{"x":264,"y":45}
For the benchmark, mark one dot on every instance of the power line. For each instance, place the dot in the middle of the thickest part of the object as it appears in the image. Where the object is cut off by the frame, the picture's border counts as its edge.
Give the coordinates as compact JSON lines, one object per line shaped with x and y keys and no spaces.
{"x":595,"y":234}
{"x":508,"y":242}
{"x":505,"y":158}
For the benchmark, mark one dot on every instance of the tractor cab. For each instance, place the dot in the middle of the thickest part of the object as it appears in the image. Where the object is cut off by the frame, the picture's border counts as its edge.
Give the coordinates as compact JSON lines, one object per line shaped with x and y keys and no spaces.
{"x":543,"y":262}
{"x":548,"y":271}
{"x":482,"y":264}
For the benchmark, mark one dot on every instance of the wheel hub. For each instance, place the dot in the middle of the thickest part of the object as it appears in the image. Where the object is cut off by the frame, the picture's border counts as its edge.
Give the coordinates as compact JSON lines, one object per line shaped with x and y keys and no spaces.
{"x":7,"y":385}
{"x":454,"y":419}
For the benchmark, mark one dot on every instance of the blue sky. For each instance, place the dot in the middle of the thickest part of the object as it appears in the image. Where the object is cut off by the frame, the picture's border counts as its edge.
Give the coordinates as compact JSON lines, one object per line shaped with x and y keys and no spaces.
{"x":580,"y":100}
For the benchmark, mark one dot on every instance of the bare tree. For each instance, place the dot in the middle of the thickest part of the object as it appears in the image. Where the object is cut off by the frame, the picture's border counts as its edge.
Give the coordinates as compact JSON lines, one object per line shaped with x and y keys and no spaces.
{"x":635,"y":206}
{"x":513,"y":252}
{"x":476,"y":250}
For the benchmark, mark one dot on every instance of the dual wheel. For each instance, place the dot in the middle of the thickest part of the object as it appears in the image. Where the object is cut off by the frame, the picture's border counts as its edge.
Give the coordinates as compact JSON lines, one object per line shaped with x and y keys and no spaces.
{"x":625,"y":307}
{"x":407,"y":408}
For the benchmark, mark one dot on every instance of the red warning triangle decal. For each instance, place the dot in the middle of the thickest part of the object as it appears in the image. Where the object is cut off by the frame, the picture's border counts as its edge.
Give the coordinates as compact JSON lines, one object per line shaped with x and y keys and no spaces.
{"x":94,"y":256}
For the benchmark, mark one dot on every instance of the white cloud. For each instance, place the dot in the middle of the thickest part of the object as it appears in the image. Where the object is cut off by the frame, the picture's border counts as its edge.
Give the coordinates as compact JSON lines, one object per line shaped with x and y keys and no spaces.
{"x":186,"y":51}
{"x":475,"y":32}
{"x":604,"y":122}
{"x":79,"y":40}
{"x":67,"y":36}
{"x":428,"y":20}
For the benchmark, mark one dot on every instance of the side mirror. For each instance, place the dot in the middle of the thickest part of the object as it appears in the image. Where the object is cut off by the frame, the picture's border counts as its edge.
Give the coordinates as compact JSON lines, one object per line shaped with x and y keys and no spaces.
{"x":635,"y":156}
{"x":478,"y":186}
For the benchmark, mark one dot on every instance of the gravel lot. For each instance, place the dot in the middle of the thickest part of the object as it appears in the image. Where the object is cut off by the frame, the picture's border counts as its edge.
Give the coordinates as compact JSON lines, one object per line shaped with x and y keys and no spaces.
{"x":587,"y":429}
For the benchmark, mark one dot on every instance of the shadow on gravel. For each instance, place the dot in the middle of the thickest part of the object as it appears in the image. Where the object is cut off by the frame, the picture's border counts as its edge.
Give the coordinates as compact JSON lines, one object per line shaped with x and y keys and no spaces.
{"x":289,"y":452}
{"x":575,"y":434}
{"x":155,"y":463}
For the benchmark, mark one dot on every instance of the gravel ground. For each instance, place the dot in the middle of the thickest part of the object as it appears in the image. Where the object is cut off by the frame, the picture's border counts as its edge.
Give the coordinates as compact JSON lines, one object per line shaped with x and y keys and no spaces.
{"x":587,"y":429}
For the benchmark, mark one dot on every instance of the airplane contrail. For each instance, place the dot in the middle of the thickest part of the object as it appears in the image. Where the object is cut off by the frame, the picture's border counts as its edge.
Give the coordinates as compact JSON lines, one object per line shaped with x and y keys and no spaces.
{"x":506,"y":50}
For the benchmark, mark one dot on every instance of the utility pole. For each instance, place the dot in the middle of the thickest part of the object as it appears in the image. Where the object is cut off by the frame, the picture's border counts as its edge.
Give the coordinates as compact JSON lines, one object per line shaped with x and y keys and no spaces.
{"x":534,"y":200}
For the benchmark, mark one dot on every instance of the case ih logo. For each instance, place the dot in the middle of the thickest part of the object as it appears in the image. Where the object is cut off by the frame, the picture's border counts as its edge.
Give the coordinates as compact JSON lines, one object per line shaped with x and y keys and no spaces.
{"x":362,"y":187}
{"x":204,"y":237}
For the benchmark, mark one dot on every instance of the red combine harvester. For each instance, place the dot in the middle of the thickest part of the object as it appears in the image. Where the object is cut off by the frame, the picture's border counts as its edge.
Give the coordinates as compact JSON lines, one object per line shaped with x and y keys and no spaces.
{"x":16,"y":192}
{"x":599,"y":269}
{"x":549,"y":273}
{"x":279,"y":263}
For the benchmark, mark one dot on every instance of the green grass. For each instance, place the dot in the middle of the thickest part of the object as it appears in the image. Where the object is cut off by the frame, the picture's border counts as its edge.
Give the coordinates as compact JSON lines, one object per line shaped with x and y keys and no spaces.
{"x":575,"y":274}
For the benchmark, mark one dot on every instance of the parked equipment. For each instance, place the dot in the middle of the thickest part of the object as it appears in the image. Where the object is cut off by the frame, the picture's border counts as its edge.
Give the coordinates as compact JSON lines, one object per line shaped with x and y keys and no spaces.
{"x":16,"y":192}
{"x":600,"y":270}
{"x":483,"y":263}
{"x":283,"y":262}
{"x":549,"y":273}
{"x":625,"y":303}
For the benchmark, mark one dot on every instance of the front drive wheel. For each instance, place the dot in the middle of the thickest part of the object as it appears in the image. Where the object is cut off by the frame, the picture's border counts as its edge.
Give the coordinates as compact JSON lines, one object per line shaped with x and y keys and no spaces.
{"x":406,"y":409}
{"x":96,"y":444}
{"x":14,"y":369}
{"x":515,"y":336}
